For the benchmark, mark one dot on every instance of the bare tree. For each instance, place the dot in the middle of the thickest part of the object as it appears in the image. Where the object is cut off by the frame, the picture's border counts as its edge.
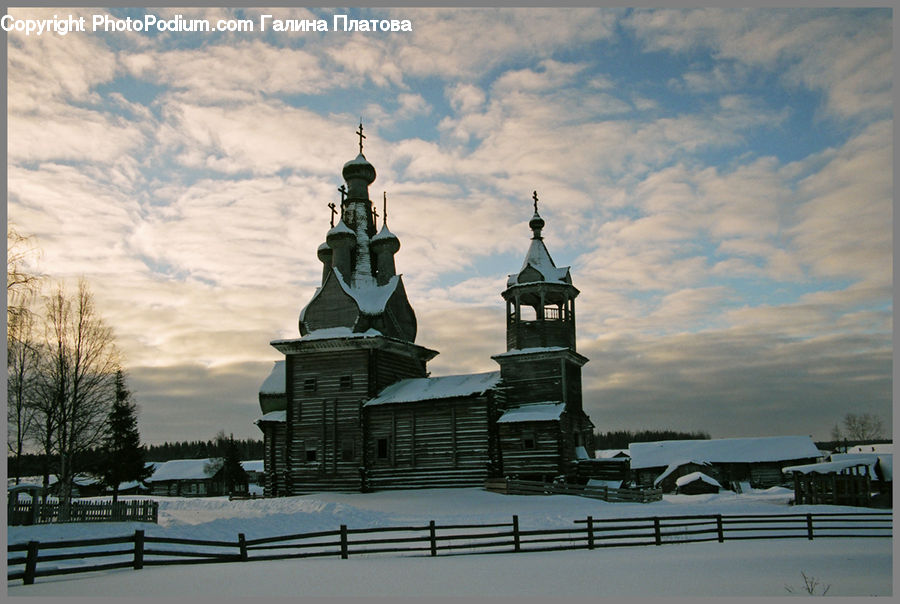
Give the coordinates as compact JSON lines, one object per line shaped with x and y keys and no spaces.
{"x":21,"y":363}
{"x":78,"y":380}
{"x":864,"y":426}
{"x":21,"y":284}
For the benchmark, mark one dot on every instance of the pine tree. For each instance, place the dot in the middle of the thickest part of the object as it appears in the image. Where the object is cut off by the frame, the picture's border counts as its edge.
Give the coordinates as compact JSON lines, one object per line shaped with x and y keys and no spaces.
{"x":232,"y":471}
{"x":124,"y":457}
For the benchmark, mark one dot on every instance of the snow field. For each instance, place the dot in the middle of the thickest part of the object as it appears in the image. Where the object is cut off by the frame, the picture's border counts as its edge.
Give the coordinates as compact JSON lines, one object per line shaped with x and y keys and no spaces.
{"x":851,"y":566}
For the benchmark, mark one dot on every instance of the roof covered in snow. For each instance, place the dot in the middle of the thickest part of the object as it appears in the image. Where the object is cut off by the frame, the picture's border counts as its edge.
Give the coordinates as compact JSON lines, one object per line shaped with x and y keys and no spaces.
{"x":253,"y":465}
{"x":183,"y":469}
{"x":273,"y":416}
{"x":674,"y":466}
{"x":275,"y":383}
{"x":431,"y":388}
{"x":826,"y":467}
{"x":533,"y":412}
{"x":689,"y":478}
{"x":538,"y":258}
{"x":724,"y":450}
{"x":877,"y":448}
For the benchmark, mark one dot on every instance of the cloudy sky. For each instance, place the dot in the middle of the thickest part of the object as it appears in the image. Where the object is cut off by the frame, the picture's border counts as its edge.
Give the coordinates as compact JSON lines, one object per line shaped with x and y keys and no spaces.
{"x":720,"y":182}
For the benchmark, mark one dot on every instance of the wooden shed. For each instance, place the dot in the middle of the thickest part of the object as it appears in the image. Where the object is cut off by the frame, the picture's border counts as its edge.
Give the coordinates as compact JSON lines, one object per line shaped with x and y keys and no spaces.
{"x":696,"y":483}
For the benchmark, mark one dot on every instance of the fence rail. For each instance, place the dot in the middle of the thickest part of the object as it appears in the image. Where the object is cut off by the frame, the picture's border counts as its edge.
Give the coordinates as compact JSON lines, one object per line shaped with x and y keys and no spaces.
{"x":590,"y":533}
{"x":529,"y":487}
{"x":35,"y":512}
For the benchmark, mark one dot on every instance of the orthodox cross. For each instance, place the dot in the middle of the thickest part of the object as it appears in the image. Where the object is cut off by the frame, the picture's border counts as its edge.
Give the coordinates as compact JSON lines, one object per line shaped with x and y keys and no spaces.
{"x":333,"y":212}
{"x":535,"y":197}
{"x":343,"y":190}
{"x":361,"y":135}
{"x":384,"y":209}
{"x":375,"y":216}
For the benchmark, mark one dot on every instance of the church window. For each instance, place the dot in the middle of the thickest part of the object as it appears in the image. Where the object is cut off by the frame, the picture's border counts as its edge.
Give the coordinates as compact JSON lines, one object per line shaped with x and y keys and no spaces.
{"x":309,"y":384}
{"x":347,"y":450}
{"x":346,"y":382}
{"x":312,"y":452}
{"x":528,"y":441}
{"x":382,"y":448}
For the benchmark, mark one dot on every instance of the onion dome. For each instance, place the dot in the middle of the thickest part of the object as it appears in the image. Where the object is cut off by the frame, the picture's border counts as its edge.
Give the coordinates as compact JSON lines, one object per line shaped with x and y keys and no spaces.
{"x":359,"y":168}
{"x":340,"y":235}
{"x":385,"y":240}
{"x":324,"y":253}
{"x":536,"y":224}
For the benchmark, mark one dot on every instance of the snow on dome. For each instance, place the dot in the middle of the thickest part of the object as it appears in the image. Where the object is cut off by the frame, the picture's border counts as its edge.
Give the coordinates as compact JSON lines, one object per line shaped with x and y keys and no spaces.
{"x":338,"y":230}
{"x":431,"y":388}
{"x":384,"y":234}
{"x":275,"y":383}
{"x":533,"y":412}
{"x":689,"y":478}
{"x":724,"y":450}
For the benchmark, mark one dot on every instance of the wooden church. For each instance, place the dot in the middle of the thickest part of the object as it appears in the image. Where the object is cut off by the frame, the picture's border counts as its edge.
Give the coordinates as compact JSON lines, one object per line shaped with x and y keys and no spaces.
{"x":352,"y":406}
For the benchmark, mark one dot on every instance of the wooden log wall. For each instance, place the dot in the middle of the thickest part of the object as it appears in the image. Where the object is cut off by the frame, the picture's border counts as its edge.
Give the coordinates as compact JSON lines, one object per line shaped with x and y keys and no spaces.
{"x":544,"y":460}
{"x":439,"y":443}
{"x":532,"y":381}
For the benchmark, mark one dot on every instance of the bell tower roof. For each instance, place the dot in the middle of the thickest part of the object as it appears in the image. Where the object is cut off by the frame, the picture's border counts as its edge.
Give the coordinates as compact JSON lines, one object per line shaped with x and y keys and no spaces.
{"x":539,"y":266}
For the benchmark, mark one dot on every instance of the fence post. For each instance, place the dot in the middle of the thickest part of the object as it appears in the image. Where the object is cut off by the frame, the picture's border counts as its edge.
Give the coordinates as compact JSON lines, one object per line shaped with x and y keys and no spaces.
{"x":719,"y":528}
{"x":31,"y":563}
{"x":344,"y":552}
{"x":242,"y":545}
{"x":656,"y":531}
{"x":809,"y":527}
{"x":516,"y":543}
{"x":138,"y":550}
{"x":431,"y":530}
{"x":590,"y":531}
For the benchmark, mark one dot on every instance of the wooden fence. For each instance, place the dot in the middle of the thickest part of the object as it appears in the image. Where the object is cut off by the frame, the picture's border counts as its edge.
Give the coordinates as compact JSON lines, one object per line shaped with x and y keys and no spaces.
{"x":27,"y":561}
{"x":527,"y":487}
{"x":35,"y":512}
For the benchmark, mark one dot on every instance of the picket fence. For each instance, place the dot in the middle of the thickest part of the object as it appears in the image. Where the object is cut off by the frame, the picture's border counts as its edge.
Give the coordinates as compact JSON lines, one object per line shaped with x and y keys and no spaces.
{"x":589,"y":533}
{"x":34,"y":512}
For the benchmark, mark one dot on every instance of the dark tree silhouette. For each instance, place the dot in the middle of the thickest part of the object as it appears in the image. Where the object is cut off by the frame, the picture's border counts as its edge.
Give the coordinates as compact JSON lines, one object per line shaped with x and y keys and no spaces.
{"x":123,"y":456}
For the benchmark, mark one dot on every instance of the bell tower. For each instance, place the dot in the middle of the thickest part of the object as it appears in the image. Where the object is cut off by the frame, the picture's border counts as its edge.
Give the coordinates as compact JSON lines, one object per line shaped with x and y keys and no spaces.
{"x":540,"y":298}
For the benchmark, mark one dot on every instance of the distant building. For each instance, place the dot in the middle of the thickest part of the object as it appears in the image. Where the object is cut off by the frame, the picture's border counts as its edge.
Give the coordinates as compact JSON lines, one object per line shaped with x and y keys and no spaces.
{"x":190,"y":478}
{"x":730,"y":461}
{"x":352,"y":405}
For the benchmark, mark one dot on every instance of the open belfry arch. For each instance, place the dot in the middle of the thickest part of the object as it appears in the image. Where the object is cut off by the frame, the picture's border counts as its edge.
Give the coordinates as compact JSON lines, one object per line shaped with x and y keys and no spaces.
{"x":352,"y":405}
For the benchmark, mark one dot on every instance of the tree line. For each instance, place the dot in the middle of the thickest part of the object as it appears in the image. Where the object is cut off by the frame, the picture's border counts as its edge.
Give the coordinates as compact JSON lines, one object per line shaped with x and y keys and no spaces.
{"x":620,"y":439}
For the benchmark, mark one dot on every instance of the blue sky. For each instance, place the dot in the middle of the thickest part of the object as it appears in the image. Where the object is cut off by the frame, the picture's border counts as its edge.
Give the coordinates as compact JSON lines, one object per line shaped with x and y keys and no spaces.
{"x":719,"y":180}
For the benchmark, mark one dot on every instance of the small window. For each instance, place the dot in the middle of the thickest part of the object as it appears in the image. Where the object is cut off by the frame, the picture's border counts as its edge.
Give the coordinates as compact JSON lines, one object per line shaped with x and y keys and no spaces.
{"x":347,"y":450}
{"x":382,"y":452}
{"x":528,"y":441}
{"x":312,"y":453}
{"x":346,"y":382}
{"x":309,"y":384}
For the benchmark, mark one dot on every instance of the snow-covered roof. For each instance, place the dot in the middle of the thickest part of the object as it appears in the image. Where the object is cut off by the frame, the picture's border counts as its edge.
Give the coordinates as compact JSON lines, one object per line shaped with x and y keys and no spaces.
{"x":674,"y":466}
{"x":253,"y":465}
{"x":274,"y":416}
{"x":339,"y":332}
{"x":877,"y":448}
{"x":533,"y":412}
{"x":430,"y":388}
{"x":384,"y":233}
{"x":275,"y":383}
{"x":518,"y":351}
{"x":689,"y":478}
{"x":611,"y":453}
{"x":372,"y":298}
{"x":724,"y":450}
{"x":828,"y":466}
{"x":539,"y":259}
{"x":182,"y":469}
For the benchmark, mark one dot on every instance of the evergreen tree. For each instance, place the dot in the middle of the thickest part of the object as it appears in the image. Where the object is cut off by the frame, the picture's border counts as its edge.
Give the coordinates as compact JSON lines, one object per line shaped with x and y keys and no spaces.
{"x":232,"y":471}
{"x":123,"y":458}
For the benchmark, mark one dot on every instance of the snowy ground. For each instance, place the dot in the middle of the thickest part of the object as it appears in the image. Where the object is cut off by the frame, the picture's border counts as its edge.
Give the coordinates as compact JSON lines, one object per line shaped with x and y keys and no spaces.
{"x":755,"y":568}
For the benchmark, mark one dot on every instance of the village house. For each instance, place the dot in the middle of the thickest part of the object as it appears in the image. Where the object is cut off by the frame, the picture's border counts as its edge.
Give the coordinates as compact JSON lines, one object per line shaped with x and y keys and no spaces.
{"x":735,"y":463}
{"x":190,"y":478}
{"x":352,"y":405}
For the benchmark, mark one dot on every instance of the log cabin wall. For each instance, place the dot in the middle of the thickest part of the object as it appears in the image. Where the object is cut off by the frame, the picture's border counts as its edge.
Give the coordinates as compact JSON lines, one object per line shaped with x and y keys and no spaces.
{"x":532,"y":381}
{"x":531,"y":450}
{"x":434,"y":443}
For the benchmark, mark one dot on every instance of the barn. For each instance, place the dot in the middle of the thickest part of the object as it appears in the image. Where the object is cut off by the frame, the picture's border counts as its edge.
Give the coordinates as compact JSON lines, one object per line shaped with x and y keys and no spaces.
{"x":190,"y":478}
{"x":730,"y":461}
{"x":352,"y":405}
